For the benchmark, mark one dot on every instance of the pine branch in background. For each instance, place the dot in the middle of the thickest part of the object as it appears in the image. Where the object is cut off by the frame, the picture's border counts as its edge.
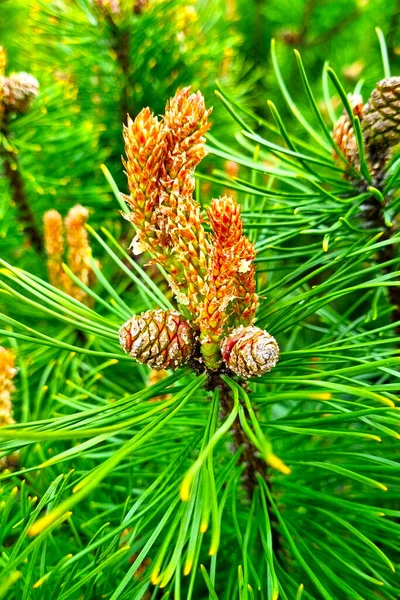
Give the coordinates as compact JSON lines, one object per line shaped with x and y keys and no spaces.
{"x":379,"y":121}
{"x":18,"y":91}
{"x":130,"y":69}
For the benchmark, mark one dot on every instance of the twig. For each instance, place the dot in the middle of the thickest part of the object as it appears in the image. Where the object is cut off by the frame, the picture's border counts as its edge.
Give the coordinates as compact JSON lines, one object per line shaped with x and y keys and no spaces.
{"x":373,"y":215}
{"x":249,"y":457}
{"x":13,"y":174}
{"x":121,"y":44}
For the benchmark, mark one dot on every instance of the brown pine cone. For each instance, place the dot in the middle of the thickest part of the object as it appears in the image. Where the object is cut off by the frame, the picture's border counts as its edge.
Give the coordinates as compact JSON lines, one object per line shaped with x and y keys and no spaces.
{"x":250,"y":351}
{"x":161,"y":339}
{"x":381,"y":123}
{"x":343,"y":133}
{"x":19,"y":91}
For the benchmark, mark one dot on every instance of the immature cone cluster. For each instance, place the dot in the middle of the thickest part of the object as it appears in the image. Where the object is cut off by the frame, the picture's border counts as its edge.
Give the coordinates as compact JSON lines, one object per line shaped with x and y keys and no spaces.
{"x":79,"y":251}
{"x":211,"y":274}
{"x":161,"y":158}
{"x":231,"y":296}
{"x":162,"y":339}
{"x":380,"y":124}
{"x":250,"y":351}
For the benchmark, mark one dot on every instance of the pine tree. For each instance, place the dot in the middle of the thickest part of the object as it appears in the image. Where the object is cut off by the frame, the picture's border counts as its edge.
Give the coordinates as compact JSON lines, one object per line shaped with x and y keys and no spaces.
{"x":235,"y":474}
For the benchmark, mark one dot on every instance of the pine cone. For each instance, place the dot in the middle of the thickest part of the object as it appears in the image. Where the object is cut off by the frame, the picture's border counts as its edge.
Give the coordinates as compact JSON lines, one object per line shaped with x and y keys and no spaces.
{"x":161,"y":339}
{"x":19,"y":91}
{"x":343,"y":133}
{"x":381,"y":123}
{"x":250,"y":351}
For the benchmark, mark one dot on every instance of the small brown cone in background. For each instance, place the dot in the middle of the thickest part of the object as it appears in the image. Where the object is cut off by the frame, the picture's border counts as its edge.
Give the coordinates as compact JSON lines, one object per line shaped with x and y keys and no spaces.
{"x":343,"y":133}
{"x":140,"y":6}
{"x":161,"y":339}
{"x":250,"y":351}
{"x":381,"y":122}
{"x":19,"y":91}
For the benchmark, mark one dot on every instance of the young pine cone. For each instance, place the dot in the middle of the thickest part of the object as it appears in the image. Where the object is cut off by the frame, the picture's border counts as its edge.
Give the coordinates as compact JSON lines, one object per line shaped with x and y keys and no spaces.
{"x":250,"y":351}
{"x":161,"y":339}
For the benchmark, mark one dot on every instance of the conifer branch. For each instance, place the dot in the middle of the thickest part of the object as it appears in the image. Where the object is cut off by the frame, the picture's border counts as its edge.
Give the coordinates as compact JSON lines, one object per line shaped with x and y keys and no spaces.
{"x":12,"y":172}
{"x":250,"y":457}
{"x":121,"y":42}
{"x":374,"y":216}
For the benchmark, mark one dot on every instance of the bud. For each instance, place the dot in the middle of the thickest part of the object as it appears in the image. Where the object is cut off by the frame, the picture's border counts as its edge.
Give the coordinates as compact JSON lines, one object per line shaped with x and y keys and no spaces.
{"x":161,"y":339}
{"x":19,"y":91}
{"x":250,"y":351}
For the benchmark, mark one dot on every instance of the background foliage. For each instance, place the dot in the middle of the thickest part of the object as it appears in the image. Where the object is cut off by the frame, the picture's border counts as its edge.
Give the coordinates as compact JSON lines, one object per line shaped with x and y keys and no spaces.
{"x":92,"y":508}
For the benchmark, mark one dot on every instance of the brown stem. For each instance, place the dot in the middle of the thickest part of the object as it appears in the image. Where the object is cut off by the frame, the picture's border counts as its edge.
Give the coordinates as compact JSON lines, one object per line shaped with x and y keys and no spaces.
{"x":253,"y":464}
{"x":121,"y":44}
{"x":373,"y":214}
{"x":13,"y":174}
{"x":249,"y":457}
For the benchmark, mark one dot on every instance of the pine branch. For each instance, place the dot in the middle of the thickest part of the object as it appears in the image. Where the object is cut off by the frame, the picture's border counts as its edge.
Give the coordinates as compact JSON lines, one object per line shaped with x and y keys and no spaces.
{"x":12,"y":172}
{"x":373,"y":215}
{"x":121,"y":42}
{"x":249,"y":457}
